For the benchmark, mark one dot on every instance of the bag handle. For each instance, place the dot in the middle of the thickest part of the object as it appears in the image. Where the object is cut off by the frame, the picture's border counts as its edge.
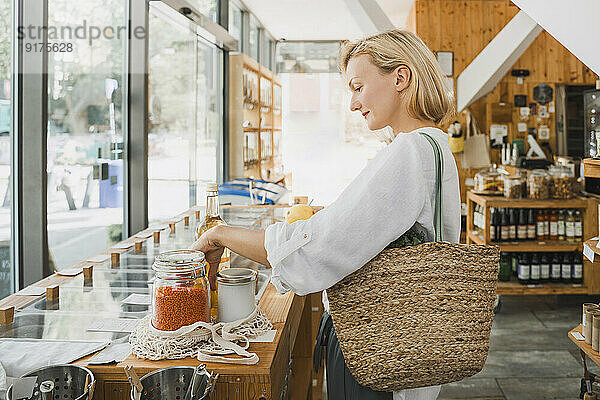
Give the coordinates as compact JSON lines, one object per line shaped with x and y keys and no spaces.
{"x":438,"y":220}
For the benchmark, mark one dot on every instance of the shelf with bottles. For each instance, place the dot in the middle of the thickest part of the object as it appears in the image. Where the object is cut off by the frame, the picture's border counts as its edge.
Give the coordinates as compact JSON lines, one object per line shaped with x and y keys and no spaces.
{"x":254,"y":91}
{"x":479,"y":218}
{"x":533,"y":236}
{"x":544,"y":273}
{"x":547,"y":229}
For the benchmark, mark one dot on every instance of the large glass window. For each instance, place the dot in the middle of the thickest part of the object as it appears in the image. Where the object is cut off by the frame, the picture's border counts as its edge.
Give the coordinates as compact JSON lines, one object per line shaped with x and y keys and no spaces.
{"x":235,"y":23}
{"x":253,"y":38}
{"x":85,"y":136}
{"x":185,"y":115}
{"x":6,"y":266}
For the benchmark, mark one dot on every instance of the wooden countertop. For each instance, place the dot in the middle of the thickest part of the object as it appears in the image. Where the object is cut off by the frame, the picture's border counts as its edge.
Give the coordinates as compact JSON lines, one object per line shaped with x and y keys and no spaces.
{"x":286,"y":312}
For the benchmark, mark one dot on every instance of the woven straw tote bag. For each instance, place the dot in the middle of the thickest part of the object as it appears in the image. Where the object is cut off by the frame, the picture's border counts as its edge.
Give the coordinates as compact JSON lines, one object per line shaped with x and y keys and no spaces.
{"x":419,"y":315}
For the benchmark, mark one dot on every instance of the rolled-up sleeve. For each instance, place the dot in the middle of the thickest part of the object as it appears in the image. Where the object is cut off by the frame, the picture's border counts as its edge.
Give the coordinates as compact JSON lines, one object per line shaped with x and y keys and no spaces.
{"x":382,"y":203}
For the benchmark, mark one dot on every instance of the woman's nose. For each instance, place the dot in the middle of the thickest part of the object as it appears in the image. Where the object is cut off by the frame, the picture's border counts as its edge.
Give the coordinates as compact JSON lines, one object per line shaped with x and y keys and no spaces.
{"x":354,"y":104}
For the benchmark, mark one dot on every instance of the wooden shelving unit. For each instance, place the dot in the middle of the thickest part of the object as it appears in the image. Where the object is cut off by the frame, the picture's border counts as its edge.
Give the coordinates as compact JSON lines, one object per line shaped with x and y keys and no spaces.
{"x":254,"y":120}
{"x":589,"y":208}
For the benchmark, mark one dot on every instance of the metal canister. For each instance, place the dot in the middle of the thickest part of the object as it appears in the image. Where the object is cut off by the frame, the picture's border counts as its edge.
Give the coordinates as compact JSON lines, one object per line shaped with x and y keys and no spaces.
{"x":596,"y":331}
{"x":237,"y":287}
{"x":588,"y":309}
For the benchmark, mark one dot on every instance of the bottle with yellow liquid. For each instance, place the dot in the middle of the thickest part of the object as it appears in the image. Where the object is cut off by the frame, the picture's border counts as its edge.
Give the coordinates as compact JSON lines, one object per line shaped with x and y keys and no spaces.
{"x":212,"y":219}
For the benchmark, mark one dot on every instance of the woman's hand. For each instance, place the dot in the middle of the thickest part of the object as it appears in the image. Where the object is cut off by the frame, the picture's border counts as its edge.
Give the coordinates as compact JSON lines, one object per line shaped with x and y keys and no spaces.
{"x":213,"y":250}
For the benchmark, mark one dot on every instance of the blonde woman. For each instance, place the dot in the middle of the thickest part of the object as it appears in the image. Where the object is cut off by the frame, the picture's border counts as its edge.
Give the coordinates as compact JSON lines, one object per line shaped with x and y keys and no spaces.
{"x":395,"y":81}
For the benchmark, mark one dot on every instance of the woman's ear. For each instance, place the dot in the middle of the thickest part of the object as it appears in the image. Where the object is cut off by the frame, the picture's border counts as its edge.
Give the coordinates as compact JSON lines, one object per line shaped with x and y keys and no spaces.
{"x":401,"y":77}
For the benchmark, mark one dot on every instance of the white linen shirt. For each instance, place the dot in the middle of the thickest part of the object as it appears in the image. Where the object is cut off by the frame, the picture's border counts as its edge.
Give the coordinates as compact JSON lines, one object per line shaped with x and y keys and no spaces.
{"x":395,"y":190}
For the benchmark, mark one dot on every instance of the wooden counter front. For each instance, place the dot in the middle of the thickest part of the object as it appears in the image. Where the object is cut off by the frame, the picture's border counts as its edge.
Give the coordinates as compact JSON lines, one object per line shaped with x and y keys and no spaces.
{"x":284,"y":370}
{"x":282,"y":364}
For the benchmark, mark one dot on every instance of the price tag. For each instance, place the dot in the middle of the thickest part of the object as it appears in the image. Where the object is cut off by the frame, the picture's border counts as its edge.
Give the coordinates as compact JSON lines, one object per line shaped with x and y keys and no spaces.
{"x":70,"y":271}
{"x":588,"y":252}
{"x":31,"y":291}
{"x":137,"y":299}
{"x":100,"y":258}
{"x":267,"y":337}
{"x":122,"y":246}
{"x":119,"y":325}
{"x":143,"y":235}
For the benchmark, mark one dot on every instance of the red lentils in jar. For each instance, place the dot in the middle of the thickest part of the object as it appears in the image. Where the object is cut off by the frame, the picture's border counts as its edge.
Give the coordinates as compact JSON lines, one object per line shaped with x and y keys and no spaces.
{"x":180,"y":295}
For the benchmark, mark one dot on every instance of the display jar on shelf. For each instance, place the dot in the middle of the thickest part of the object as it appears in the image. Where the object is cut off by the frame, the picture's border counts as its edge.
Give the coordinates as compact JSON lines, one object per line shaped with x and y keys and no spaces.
{"x":538,"y":183}
{"x":513,"y":187}
{"x":180,"y":294}
{"x":489,"y":181}
{"x":563,"y":183}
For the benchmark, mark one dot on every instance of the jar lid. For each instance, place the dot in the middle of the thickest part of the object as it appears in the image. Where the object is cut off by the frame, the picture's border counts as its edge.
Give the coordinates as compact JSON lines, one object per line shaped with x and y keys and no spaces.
{"x":179,"y":261}
{"x":236,"y":275}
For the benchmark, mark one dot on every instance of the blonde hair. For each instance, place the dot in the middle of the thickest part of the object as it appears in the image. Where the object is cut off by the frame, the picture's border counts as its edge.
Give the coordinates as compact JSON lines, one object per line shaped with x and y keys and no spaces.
{"x":428,"y":97}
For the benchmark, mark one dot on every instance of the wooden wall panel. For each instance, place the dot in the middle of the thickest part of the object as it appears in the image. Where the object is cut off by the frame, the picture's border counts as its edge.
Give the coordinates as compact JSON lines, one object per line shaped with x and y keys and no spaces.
{"x":465,"y":27}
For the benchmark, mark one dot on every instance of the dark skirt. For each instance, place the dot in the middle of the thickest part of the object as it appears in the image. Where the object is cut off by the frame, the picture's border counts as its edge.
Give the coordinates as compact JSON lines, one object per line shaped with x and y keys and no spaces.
{"x":341,"y":385}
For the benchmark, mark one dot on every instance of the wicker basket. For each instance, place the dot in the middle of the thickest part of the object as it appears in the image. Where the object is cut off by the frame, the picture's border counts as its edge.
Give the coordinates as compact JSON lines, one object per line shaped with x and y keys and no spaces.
{"x":417,"y":316}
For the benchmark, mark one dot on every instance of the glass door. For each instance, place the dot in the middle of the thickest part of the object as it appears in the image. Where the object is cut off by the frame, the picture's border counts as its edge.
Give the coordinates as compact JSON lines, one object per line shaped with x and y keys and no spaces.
{"x":85,"y":136}
{"x":185,"y":113}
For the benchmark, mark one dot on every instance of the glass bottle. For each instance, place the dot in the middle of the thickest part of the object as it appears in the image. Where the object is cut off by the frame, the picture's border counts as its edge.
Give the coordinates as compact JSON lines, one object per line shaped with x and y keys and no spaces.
{"x":567,"y":267}
{"x":561,"y":225}
{"x":504,"y":270}
{"x":481,"y":219}
{"x":512,"y":224}
{"x":212,"y":219}
{"x":570,"y":226}
{"x":523,"y":269}
{"x":578,"y":226}
{"x":522,"y":227}
{"x":546,"y":224}
{"x":531,"y":224}
{"x":553,"y":225}
{"x":541,"y":226}
{"x":534,"y":275}
{"x":505,"y":230}
{"x":493,"y":229}
{"x":577,"y":274}
{"x":544,"y":268}
{"x":513,"y":263}
{"x":555,"y":268}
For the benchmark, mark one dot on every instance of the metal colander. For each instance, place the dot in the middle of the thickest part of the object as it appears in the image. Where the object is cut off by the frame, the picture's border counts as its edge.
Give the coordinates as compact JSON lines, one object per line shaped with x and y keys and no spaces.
{"x":68,"y":383}
{"x":172,"y":383}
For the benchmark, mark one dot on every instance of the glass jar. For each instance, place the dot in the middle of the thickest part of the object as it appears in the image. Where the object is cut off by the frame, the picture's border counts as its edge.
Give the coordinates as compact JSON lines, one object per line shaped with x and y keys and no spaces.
{"x":563,"y":183}
{"x":180,"y":294}
{"x":538,"y":182}
{"x":488,"y":181}
{"x":237,"y":287}
{"x":513,"y":187}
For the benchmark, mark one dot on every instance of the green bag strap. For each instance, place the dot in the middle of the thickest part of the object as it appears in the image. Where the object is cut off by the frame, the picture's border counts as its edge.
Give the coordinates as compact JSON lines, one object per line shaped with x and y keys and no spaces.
{"x":438,"y":220}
